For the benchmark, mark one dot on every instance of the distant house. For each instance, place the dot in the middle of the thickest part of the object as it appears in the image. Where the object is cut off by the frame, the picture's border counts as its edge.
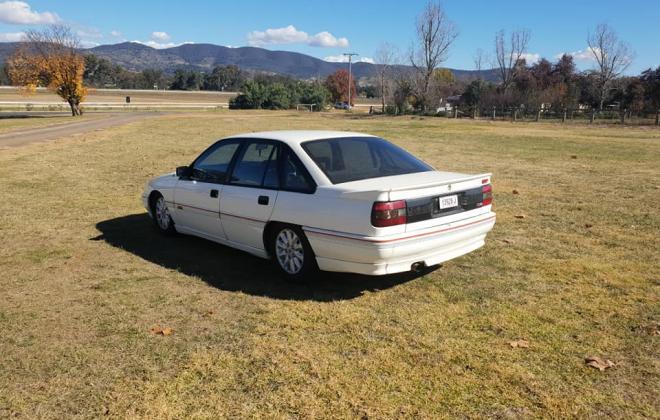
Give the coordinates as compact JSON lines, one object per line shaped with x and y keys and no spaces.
{"x":447,"y":104}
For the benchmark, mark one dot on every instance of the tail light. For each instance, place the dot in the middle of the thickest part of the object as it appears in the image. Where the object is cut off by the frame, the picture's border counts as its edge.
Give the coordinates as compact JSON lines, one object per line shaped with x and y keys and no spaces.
{"x":388,"y":213}
{"x":487,"y":191}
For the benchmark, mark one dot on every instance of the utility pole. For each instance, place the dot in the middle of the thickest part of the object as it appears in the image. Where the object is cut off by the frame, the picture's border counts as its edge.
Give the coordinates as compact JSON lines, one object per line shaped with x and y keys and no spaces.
{"x":349,"y":55}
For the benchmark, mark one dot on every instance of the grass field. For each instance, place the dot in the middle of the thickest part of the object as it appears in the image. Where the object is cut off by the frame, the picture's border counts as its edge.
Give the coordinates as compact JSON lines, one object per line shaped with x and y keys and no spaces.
{"x":571,"y":267}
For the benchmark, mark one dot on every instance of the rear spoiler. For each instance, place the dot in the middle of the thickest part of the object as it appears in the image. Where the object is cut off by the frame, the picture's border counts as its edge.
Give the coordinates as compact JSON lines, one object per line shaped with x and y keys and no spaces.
{"x":438,"y":184}
{"x":380,"y":195}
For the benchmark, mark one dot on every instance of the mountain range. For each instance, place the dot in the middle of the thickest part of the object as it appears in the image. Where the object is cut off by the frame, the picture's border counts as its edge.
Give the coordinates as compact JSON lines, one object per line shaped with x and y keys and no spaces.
{"x":203,"y":57}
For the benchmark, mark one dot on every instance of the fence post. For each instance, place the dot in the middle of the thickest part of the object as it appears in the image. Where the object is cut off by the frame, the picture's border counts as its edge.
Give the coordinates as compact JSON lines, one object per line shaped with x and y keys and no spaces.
{"x":514,"y":114}
{"x":563,"y":116}
{"x":593,"y":115}
{"x":538,"y":114}
{"x":494,"y":115}
{"x":474,"y":113}
{"x":623,"y":116}
{"x":456,"y":112}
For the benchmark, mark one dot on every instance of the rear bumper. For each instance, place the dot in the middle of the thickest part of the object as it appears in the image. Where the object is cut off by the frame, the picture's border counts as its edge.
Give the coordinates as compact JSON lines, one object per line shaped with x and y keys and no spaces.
{"x":387,"y":255}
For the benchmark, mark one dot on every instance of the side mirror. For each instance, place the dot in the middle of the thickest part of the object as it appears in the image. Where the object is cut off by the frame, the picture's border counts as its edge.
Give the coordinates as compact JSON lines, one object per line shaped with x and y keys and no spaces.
{"x":183,"y":171}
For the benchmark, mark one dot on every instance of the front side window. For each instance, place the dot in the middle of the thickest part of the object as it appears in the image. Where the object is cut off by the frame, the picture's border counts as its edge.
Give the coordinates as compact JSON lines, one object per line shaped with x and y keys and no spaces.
{"x":212,"y":165}
{"x":348,"y":159}
{"x":257,"y":166}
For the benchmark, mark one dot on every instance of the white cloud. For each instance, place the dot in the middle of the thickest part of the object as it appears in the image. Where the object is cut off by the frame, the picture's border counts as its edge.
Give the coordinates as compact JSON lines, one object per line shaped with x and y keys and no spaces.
{"x":115,"y":33}
{"x":161,"y":45}
{"x":160,"y":36}
{"x":531,"y":58}
{"x":89,"y":44}
{"x":584,"y":56}
{"x":20,"y":13}
{"x":327,"y":40}
{"x":291,"y":35}
{"x":343,"y":59}
{"x":12,"y":36}
{"x":286,"y":35}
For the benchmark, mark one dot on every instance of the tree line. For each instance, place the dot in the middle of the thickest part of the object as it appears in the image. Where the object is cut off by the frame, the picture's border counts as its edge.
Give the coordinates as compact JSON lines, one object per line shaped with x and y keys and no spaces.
{"x":52,"y":58}
{"x":102,"y":73}
{"x":521,"y":87}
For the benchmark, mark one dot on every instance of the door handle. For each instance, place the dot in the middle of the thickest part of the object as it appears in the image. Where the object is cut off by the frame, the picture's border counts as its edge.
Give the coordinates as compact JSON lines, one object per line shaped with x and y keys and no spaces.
{"x":214,"y":193}
{"x":263,"y":200}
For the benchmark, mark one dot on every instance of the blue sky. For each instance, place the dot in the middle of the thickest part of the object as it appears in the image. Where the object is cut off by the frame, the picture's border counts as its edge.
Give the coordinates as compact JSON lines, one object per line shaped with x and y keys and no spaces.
{"x":326,"y":29}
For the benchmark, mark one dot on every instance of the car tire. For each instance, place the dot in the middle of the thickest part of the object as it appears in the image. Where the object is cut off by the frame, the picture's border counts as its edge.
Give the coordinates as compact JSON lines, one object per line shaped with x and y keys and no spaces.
{"x":160,"y":215}
{"x":291,"y":253}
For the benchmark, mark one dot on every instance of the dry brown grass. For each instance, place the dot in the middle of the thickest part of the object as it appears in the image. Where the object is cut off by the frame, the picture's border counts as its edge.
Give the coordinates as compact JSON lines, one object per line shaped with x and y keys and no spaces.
{"x":23,"y":122}
{"x":85,"y":278}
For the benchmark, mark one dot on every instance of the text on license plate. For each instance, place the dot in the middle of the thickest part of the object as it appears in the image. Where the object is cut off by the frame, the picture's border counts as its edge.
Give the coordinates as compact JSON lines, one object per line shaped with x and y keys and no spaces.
{"x":448,"y":201}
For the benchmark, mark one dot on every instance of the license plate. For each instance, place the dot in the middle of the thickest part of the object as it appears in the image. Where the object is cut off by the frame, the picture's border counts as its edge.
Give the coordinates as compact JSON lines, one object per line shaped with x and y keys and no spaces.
{"x":448,"y":201}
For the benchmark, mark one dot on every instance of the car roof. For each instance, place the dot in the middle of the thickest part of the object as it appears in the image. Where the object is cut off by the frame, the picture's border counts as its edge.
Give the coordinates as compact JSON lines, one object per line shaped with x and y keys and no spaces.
{"x":297,"y":136}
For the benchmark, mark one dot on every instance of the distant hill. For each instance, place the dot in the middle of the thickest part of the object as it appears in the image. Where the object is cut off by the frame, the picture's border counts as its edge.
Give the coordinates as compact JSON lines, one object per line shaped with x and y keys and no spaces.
{"x":203,"y":57}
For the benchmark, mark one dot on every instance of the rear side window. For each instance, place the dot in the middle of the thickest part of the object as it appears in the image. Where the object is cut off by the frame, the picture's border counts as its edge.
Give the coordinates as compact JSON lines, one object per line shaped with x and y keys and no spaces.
{"x":354,"y":158}
{"x":257,"y":166}
{"x":295,"y":176}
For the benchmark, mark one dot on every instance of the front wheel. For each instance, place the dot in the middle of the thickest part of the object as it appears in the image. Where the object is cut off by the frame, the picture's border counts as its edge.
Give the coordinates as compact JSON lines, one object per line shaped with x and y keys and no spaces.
{"x":161,"y":216}
{"x":292,"y":253}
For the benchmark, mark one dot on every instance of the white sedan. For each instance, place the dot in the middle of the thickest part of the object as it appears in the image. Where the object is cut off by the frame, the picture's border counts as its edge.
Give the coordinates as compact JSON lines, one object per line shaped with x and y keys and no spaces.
{"x":335,"y":201}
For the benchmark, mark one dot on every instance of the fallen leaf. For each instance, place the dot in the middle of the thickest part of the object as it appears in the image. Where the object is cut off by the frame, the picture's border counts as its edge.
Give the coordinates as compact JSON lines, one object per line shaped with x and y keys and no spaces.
{"x":507,"y":241}
{"x":598,"y":363}
{"x":653,"y":329}
{"x":209,"y":312}
{"x":588,"y":225}
{"x":522,"y":344}
{"x":157,"y":330}
{"x":573,"y":156}
{"x":515,"y":192}
{"x":519,"y":216}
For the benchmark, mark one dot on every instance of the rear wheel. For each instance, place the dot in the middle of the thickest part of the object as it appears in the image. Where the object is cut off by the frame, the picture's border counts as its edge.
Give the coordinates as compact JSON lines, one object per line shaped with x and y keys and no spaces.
{"x":292,"y":253}
{"x":161,"y":215}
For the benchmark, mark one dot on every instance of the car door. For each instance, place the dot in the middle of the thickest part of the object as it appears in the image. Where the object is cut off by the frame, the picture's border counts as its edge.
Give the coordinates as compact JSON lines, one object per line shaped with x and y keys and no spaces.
{"x":249,"y":195}
{"x":197,"y":197}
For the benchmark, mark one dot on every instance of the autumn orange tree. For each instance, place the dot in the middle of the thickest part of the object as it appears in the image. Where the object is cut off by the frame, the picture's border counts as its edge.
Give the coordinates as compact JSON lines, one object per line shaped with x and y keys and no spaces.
{"x":50,"y":58}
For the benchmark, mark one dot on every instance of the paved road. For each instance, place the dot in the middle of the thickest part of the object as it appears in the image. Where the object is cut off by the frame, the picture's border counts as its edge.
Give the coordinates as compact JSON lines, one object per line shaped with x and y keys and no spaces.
{"x":32,"y":135}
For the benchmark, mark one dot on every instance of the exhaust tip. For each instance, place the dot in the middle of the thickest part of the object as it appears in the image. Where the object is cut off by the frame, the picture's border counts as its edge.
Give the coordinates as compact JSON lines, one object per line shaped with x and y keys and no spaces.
{"x":418,"y":267}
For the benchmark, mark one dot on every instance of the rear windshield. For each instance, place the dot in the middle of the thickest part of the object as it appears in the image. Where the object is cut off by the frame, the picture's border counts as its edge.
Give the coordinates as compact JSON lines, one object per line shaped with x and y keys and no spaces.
{"x":354,"y":158}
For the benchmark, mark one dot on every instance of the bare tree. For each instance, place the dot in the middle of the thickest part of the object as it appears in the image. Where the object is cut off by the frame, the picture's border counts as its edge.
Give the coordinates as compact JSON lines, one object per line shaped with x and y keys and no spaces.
{"x":507,"y":55}
{"x":479,"y":60}
{"x":384,"y":58}
{"x":435,"y":35}
{"x":612,"y":56}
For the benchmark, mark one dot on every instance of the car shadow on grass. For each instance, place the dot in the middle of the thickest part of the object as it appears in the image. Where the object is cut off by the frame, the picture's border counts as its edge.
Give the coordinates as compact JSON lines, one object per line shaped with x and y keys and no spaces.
{"x":230,"y":269}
